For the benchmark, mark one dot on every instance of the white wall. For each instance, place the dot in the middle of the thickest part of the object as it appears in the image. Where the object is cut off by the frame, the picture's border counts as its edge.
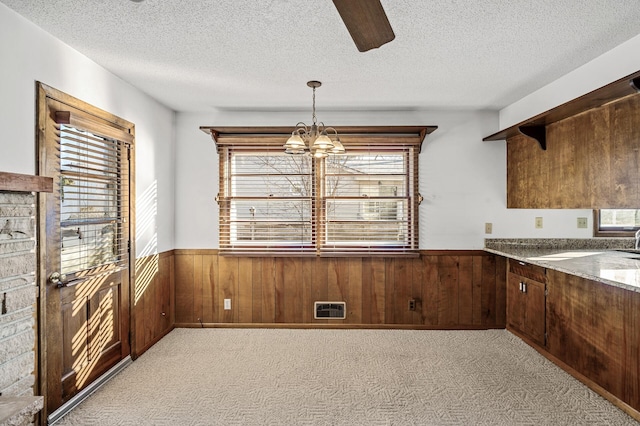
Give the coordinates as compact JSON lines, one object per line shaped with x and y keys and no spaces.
{"x":615,"y":64}
{"x":28,"y":55}
{"x":462,"y":179}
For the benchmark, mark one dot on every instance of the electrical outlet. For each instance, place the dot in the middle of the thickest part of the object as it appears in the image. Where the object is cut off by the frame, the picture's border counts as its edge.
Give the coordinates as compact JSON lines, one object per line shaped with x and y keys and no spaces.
{"x":582,"y":222}
{"x":227,"y":304}
{"x":488,"y":228}
{"x":538,"y":222}
{"x":412,"y":304}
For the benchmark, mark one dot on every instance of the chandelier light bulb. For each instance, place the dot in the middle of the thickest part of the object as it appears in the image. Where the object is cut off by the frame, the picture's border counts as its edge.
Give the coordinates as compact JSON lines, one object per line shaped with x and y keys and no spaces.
{"x":320,"y":153}
{"x":295,"y":142}
{"x":322,"y":142}
{"x":337,"y":147}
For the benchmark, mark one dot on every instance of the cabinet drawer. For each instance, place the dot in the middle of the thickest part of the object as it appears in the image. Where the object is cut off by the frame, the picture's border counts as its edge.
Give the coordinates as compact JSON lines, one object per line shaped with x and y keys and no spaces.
{"x":533,"y":272}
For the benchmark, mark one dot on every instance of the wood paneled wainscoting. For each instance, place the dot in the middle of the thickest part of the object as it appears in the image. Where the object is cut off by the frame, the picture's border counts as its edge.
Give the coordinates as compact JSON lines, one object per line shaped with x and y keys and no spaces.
{"x":451,"y":289}
{"x":153,"y":300}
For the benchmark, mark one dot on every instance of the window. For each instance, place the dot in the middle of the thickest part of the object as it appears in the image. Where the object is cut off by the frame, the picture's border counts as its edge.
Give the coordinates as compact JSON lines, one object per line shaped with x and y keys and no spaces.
{"x":92,"y":200}
{"x":364,"y":202}
{"x":368,"y":201}
{"x":616,"y":222}
{"x":267,"y":201}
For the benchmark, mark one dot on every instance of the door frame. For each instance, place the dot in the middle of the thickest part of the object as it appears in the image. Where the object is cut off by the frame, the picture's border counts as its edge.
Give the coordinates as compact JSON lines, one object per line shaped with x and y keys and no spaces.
{"x":44,"y":92}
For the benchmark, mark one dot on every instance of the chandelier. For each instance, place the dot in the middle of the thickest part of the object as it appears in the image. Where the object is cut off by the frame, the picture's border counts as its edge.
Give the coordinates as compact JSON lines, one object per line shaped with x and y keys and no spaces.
{"x":315,"y":139}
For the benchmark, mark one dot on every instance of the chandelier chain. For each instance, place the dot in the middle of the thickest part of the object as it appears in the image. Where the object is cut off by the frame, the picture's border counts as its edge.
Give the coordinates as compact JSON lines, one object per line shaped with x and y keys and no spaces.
{"x":314,"y":105}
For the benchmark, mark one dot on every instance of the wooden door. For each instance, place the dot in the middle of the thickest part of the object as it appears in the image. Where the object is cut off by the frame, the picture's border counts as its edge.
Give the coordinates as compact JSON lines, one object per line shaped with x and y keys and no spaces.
{"x":85,"y":254}
{"x":535,"y":315}
{"x":515,"y":302}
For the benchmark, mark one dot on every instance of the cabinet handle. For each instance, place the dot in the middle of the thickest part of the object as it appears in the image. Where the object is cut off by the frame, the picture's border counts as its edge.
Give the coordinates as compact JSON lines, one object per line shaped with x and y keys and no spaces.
{"x":521,"y":284}
{"x":524,"y":287}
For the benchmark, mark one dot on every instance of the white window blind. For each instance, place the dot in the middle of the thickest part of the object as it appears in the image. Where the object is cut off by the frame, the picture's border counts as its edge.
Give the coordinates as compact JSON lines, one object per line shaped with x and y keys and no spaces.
{"x":93,"y":200}
{"x":267,"y":202}
{"x":368,"y":202}
{"x":362,"y":203}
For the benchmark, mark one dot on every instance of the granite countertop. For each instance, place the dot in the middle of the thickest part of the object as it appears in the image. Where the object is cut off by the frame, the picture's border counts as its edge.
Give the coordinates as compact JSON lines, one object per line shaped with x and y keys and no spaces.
{"x":595,"y":259}
{"x":18,"y":411}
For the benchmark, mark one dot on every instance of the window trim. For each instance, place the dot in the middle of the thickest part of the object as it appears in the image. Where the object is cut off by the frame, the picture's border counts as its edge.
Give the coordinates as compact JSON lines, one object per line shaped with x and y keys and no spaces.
{"x":373,"y":137}
{"x":615,"y":232}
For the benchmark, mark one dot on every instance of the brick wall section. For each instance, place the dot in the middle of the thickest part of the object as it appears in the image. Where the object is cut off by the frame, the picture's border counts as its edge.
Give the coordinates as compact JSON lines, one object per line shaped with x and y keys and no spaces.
{"x":17,"y":293}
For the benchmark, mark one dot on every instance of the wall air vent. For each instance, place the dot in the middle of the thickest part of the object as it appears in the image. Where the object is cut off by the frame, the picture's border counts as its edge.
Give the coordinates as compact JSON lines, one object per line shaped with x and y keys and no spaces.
{"x":330,"y":310}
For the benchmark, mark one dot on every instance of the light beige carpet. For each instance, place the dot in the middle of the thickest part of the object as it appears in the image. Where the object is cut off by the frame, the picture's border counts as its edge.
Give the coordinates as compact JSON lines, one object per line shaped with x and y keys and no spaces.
{"x":343,"y":377}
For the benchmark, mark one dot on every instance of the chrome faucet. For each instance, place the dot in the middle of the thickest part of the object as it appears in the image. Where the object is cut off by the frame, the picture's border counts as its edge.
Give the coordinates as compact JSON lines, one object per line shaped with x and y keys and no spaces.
{"x":638,"y":239}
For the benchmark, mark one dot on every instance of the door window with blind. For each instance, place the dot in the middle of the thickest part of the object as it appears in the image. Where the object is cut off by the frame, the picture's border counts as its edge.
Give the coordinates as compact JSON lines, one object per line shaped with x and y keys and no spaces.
{"x":362,"y":202}
{"x":93,"y":201}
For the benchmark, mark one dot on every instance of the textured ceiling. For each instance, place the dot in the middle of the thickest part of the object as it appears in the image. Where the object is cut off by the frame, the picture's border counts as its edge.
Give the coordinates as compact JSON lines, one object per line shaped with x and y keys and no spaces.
{"x":196,"y":55}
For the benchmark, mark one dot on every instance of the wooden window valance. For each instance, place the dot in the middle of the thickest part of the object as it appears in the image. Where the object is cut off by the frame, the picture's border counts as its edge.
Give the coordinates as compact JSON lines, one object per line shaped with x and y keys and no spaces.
{"x":349,"y":135}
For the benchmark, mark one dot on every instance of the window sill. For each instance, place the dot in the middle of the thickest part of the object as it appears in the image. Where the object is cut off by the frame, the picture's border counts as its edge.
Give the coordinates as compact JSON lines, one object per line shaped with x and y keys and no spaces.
{"x":614,"y":234}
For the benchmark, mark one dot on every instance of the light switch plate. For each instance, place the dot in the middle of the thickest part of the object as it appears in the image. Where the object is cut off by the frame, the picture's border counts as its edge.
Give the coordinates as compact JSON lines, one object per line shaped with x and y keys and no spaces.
{"x":488,"y":228}
{"x":538,"y":222}
{"x":227,"y":304}
{"x":582,"y":222}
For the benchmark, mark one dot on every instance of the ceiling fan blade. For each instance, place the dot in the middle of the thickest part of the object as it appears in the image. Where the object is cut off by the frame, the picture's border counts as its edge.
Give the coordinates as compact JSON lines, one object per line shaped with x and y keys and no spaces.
{"x":366,"y":21}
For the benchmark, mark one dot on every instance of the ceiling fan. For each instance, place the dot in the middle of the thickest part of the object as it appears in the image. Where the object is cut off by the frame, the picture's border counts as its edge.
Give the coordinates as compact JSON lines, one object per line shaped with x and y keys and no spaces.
{"x":366,"y":21}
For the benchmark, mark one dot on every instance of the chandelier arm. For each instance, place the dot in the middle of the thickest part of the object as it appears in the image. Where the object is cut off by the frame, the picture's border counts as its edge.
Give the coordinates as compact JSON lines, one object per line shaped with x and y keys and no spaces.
{"x":328,"y":129}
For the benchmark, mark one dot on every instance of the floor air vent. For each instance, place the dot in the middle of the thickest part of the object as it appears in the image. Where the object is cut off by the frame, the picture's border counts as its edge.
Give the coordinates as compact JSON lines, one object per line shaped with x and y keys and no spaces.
{"x":330,"y":310}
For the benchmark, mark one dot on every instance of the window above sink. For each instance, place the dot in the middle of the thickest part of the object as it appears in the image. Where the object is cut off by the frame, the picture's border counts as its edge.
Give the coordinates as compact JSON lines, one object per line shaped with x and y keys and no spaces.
{"x":616,"y":222}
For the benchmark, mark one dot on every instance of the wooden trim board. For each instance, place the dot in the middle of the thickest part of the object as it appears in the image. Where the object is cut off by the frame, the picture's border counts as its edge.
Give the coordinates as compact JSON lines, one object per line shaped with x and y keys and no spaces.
{"x":25,"y":183}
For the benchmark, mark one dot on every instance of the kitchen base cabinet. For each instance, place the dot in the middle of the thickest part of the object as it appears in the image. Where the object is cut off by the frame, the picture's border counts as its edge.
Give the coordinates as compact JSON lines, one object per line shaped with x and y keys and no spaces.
{"x":526,"y":304}
{"x":594,"y":328}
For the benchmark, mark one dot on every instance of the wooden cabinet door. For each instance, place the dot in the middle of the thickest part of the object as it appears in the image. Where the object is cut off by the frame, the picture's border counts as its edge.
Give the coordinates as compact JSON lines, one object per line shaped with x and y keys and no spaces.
{"x":526,"y":310}
{"x":535,"y":311}
{"x":515,"y":303}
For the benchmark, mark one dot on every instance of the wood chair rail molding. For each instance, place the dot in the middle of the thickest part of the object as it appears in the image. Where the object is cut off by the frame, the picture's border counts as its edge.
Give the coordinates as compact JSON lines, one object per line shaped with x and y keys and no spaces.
{"x":25,"y":183}
{"x":535,"y":127}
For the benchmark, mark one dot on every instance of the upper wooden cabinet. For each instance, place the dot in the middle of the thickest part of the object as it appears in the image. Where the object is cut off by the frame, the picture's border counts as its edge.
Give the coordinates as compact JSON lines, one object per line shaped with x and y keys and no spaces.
{"x":592,"y":160}
{"x":588,"y":159}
